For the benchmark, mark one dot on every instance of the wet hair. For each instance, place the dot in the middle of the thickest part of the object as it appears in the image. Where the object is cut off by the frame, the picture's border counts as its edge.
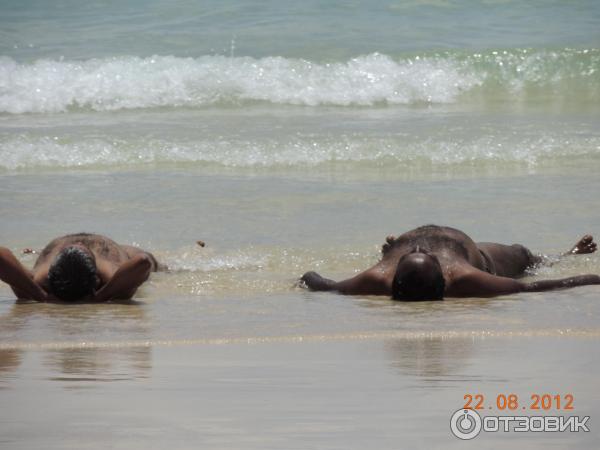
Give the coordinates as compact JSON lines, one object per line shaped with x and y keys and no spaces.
{"x":72,"y":275}
{"x":418,"y":277}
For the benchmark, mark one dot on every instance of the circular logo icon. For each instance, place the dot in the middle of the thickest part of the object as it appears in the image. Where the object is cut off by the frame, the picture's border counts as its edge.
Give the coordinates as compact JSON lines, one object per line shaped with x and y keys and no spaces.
{"x":465,"y":424}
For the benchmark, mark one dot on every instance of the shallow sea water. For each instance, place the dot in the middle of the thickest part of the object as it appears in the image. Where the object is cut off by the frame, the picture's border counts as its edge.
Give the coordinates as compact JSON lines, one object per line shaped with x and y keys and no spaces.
{"x":294,"y":137}
{"x":224,"y":352}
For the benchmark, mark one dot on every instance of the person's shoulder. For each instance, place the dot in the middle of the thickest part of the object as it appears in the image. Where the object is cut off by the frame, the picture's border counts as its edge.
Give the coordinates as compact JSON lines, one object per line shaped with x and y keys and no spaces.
{"x":468,"y":281}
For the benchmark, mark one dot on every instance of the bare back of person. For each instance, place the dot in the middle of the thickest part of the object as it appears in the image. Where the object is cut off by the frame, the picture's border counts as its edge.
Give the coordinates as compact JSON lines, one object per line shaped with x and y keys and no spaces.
{"x":109,"y":255}
{"x":444,"y":242}
{"x":457,"y":251}
{"x":71,"y":265}
{"x":435,"y":255}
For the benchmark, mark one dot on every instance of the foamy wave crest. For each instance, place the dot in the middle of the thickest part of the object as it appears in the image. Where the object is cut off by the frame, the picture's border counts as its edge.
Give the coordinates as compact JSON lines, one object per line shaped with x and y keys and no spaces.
{"x":131,"y":82}
{"x":27,"y":152}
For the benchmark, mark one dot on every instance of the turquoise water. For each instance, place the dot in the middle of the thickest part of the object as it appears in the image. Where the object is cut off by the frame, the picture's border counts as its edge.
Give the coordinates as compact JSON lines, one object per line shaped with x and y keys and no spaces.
{"x":333,"y":30}
{"x":298,"y":85}
{"x":293,"y":136}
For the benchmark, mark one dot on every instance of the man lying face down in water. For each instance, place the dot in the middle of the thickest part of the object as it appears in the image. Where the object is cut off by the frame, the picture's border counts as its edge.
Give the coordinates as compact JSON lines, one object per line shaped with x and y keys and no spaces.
{"x":79,"y":267}
{"x":432,"y":262}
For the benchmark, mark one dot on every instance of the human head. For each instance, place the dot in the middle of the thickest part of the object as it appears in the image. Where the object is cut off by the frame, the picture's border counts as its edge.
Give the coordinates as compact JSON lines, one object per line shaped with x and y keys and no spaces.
{"x":72,"y":275}
{"x":418,"y":277}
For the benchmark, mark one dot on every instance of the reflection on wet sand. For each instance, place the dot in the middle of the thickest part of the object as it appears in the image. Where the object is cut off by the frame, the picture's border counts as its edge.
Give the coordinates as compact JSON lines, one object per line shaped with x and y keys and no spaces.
{"x":435,"y":358}
{"x":9,"y":362}
{"x":36,"y":325}
{"x":99,"y":364}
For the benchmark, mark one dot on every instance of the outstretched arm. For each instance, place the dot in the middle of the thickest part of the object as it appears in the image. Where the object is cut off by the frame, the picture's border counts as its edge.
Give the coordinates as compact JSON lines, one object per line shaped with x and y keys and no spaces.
{"x":19,"y":278}
{"x":316,"y":282}
{"x":482,"y":284}
{"x":365,"y":283}
{"x":564,"y":283}
{"x":125,"y":281}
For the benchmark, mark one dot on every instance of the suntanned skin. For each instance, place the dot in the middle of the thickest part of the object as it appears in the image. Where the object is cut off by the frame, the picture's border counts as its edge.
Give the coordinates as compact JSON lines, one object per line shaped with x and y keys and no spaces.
{"x":121,"y":269}
{"x":470,"y":269}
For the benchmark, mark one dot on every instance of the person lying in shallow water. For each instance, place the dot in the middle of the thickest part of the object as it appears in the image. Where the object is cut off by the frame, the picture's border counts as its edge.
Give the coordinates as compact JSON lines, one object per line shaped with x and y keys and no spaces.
{"x":79,"y":267}
{"x":433,"y":262}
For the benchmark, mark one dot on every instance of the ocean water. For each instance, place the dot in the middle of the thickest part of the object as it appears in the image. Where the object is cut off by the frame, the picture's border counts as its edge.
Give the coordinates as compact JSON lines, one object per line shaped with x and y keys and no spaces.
{"x":294,"y":136}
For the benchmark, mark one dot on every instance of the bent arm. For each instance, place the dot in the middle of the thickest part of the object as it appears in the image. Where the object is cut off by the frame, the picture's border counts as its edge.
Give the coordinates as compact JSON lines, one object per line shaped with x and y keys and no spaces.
{"x":365,"y":283}
{"x":133,"y":251}
{"x":482,"y":284}
{"x":125,"y":281}
{"x":19,"y":278}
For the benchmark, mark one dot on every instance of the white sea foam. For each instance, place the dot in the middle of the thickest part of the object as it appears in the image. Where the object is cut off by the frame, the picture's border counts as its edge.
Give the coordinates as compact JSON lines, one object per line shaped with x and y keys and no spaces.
{"x":47,"y":86}
{"x":130,"y":82}
{"x":28,"y":152}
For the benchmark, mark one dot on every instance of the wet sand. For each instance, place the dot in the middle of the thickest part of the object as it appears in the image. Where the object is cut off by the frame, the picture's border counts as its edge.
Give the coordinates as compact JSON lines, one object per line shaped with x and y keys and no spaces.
{"x":294,"y":136}
{"x":330,"y":392}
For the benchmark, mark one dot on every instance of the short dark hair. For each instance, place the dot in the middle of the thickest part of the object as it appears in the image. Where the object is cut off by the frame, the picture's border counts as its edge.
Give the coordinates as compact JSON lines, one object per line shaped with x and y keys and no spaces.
{"x":72,"y":275}
{"x":418,"y":277}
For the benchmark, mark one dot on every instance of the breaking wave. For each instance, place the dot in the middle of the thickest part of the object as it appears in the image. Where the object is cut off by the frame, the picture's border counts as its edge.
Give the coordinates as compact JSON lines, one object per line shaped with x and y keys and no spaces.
{"x":50,"y":86}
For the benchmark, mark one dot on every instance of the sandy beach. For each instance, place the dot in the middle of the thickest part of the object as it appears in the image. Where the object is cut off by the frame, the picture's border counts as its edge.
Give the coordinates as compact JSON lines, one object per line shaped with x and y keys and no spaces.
{"x":288,"y":138}
{"x":322,"y":391}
